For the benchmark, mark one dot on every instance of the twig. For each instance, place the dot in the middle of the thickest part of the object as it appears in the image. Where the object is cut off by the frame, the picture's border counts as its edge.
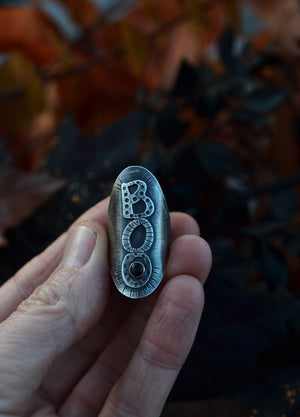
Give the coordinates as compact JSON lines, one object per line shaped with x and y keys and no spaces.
{"x":104,"y":58}
{"x":11,"y":93}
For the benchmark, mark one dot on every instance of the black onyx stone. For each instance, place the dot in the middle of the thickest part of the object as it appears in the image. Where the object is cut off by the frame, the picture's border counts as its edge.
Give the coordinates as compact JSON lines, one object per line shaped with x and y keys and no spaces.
{"x":137,"y":269}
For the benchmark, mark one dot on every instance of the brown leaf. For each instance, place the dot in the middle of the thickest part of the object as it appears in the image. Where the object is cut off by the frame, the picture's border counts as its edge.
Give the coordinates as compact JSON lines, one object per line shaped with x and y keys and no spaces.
{"x":284,"y":19}
{"x":195,"y":13}
{"x":159,"y":35}
{"x":183,"y":42}
{"x":105,"y":93}
{"x":273,"y":8}
{"x":30,"y":31}
{"x":21,"y":194}
{"x":150,"y":15}
{"x":284,"y":155}
{"x":233,"y":13}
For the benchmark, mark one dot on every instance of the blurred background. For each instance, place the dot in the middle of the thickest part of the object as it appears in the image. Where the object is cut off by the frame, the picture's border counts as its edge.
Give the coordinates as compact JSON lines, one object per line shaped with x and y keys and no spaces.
{"x":205,"y":94}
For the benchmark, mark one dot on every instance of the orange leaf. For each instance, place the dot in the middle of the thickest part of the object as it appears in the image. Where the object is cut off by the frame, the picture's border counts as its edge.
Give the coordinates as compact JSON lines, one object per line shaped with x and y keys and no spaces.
{"x":261,"y":41}
{"x":21,"y":194}
{"x":105,"y":93}
{"x":18,"y":72}
{"x":183,"y":43}
{"x":28,"y":30}
{"x":149,"y":19}
{"x":31,"y":144}
{"x":83,"y":12}
{"x":170,"y":38}
{"x":136,"y":47}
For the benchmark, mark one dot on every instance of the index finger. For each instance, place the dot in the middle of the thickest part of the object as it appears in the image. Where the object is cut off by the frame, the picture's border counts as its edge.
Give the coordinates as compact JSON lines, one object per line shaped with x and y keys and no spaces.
{"x":36,"y":271}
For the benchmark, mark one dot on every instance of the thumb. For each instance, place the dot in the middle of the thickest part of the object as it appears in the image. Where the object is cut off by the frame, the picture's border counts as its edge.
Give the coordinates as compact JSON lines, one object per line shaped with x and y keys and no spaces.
{"x":57,"y":314}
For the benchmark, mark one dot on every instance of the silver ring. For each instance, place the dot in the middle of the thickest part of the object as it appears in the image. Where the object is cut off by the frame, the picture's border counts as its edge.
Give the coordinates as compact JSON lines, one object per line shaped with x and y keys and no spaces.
{"x":139,"y":232}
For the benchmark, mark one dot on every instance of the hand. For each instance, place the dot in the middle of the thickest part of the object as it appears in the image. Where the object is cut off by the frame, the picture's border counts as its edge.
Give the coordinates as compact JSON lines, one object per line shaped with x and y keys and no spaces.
{"x":71,"y":345}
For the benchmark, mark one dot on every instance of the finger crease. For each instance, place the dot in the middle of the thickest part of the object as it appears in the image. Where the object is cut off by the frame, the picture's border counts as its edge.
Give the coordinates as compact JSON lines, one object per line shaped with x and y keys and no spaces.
{"x":158,"y":357}
{"x":85,"y":403}
{"x":122,"y":406}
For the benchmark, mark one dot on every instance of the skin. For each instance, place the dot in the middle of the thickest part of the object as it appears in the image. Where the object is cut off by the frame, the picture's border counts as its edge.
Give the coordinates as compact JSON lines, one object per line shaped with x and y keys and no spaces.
{"x":71,"y":345}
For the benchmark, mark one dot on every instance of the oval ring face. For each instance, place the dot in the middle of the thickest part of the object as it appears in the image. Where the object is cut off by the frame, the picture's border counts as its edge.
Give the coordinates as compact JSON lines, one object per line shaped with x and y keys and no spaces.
{"x":139,"y":229}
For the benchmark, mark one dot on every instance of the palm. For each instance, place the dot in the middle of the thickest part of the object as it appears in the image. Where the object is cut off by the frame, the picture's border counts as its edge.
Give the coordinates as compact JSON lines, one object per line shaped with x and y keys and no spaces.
{"x":108,"y":347}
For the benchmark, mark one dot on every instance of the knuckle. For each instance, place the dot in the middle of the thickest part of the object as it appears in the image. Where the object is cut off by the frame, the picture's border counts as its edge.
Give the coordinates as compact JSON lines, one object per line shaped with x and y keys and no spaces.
{"x":121,"y":407}
{"x":166,"y":343}
{"x":46,"y":294}
{"x":51,"y":297}
{"x":26,"y":286}
{"x":158,"y":356}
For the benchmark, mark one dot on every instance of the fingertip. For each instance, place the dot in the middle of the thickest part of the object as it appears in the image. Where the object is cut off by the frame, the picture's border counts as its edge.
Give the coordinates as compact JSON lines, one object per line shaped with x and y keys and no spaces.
{"x":183,"y":224}
{"x":97,"y":230}
{"x":92,"y":224}
{"x":189,"y":255}
{"x":185,"y":291}
{"x":206,"y":255}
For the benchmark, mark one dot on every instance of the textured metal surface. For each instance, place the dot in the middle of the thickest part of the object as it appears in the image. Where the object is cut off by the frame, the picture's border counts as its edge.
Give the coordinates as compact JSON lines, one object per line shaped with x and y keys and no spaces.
{"x":139,"y":229}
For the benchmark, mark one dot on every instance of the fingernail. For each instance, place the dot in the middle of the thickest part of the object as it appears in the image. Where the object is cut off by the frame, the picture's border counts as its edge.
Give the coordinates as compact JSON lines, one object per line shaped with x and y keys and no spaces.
{"x":79,"y":247}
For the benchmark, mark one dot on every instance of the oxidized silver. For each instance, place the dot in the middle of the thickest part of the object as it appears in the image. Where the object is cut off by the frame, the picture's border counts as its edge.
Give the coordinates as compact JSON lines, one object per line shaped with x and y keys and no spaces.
{"x":139,"y":229}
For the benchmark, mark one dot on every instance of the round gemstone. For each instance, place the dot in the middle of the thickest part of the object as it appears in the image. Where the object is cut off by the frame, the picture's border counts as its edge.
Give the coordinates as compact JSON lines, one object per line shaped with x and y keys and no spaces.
{"x":137,"y":269}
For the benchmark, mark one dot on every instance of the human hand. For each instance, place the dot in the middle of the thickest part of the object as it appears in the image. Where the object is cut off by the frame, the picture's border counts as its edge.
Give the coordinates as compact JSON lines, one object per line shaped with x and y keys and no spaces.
{"x":71,"y":345}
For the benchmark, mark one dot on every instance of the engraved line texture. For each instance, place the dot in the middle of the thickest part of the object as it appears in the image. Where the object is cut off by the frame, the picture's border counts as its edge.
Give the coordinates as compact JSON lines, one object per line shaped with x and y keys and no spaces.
{"x":136,"y":206}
